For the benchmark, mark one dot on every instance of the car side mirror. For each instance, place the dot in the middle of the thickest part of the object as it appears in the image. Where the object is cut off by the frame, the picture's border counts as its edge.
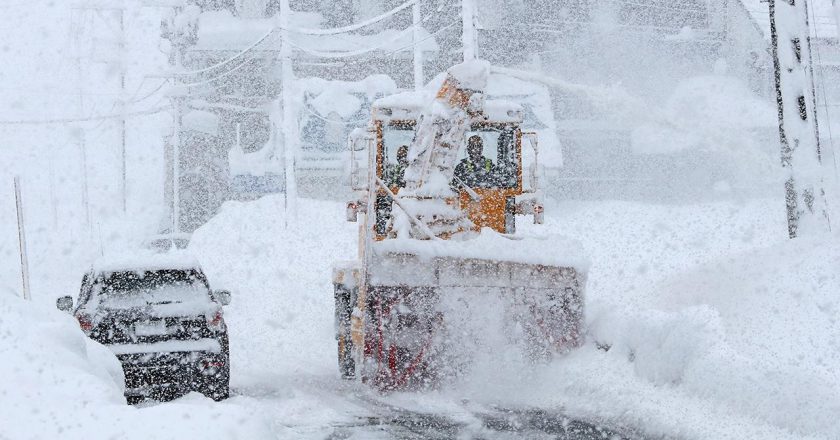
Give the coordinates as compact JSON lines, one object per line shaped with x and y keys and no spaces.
{"x":65,"y":303}
{"x":222,"y":297}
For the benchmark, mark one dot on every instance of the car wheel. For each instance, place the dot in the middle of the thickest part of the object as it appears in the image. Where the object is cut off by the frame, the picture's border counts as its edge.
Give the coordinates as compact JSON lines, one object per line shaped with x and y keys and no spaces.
{"x":217,"y":386}
{"x":134,"y":400}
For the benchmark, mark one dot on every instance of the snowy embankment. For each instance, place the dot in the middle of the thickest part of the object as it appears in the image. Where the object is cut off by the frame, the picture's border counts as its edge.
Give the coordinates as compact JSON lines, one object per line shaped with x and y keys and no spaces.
{"x":711,"y":336}
{"x":56,"y":383}
{"x":719,"y":327}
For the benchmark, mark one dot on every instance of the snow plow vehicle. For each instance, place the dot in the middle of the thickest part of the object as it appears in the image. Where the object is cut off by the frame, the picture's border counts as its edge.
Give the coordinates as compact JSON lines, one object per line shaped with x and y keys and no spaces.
{"x":441,"y":279}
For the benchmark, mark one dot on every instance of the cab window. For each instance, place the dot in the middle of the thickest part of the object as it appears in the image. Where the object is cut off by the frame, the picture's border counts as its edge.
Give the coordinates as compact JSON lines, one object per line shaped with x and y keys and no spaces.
{"x":394,"y":136}
{"x":499,"y":146}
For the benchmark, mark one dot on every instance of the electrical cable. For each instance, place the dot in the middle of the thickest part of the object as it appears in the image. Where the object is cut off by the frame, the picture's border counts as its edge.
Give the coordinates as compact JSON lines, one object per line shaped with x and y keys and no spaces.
{"x":336,"y":121}
{"x":353,"y":27}
{"x":217,"y":77}
{"x":432,"y":35}
{"x":148,"y":95}
{"x":86,"y":119}
{"x":660,"y":6}
{"x":229,"y":60}
{"x":349,"y":54}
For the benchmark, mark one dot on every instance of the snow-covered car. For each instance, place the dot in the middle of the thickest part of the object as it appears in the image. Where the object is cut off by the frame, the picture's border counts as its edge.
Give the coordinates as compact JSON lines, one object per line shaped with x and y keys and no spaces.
{"x":158,"y":315}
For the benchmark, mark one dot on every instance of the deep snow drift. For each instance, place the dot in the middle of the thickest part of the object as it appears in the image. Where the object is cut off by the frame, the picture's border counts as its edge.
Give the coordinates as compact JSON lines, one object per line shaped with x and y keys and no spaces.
{"x":719,"y":328}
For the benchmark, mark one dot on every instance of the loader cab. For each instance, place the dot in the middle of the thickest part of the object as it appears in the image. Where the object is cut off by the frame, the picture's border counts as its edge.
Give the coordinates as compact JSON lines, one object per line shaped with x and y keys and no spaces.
{"x":491,"y":204}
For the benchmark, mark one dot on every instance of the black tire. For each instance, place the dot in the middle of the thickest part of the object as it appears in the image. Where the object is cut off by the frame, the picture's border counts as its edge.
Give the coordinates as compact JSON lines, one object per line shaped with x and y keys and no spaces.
{"x":217,"y":386}
{"x":134,"y":400}
{"x":344,"y":298}
{"x":346,"y":364}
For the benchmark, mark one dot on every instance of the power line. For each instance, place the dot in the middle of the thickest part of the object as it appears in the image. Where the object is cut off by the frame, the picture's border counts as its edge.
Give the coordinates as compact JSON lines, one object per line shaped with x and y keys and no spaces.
{"x":432,"y":35}
{"x":320,"y":54}
{"x":326,"y":119}
{"x":348,"y":54}
{"x":353,"y":27}
{"x":227,"y":61}
{"x":85,"y":119}
{"x":132,"y":100}
{"x":217,"y":77}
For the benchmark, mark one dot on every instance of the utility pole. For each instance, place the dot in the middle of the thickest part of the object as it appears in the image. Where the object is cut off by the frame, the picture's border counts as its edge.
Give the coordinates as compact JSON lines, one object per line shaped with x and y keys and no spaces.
{"x":418,"y":52}
{"x":85,"y":190}
{"x":807,"y":212}
{"x":120,"y":57}
{"x":289,"y":119}
{"x":178,"y":103}
{"x":468,"y":34}
{"x":836,"y":4}
{"x":119,"y":11}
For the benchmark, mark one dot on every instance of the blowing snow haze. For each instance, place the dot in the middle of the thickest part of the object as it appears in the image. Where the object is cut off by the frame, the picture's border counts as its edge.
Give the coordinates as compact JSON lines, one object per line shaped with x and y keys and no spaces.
{"x":263,"y":197}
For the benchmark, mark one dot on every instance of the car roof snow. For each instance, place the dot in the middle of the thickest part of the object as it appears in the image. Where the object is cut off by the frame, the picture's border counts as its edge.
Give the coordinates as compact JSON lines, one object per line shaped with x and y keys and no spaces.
{"x":146,"y":261}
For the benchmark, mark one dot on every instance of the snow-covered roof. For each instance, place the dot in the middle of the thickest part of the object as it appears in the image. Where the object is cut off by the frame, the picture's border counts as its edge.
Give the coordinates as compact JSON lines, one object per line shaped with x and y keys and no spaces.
{"x":220,"y":30}
{"x":144,"y":261}
{"x":410,"y":105}
{"x":342,"y":97}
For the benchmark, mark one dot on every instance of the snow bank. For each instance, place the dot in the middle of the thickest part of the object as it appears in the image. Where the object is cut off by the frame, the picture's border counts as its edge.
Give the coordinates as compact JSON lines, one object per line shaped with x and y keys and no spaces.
{"x":753,"y":335}
{"x":279,"y":271}
{"x":59,"y":384}
{"x":718,"y":326}
{"x":713,"y":113}
{"x":710,"y":337}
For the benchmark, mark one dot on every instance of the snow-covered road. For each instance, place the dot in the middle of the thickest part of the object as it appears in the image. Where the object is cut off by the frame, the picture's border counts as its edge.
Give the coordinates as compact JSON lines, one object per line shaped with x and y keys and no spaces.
{"x":354,"y":411}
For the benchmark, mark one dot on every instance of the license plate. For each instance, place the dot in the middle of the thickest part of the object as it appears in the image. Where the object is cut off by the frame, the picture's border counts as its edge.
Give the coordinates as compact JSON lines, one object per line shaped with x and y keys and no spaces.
{"x":150,"y":328}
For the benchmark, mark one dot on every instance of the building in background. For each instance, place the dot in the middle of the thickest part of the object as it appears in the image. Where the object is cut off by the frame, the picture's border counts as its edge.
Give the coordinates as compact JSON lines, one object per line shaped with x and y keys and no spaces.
{"x":644,"y":50}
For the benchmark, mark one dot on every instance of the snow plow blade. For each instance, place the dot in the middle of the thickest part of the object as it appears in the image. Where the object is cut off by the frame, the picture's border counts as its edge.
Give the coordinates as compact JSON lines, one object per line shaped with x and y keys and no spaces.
{"x":428,"y":319}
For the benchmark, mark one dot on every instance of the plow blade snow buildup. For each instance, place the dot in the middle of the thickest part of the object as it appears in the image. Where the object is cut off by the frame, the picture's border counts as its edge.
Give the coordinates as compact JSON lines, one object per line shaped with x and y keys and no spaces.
{"x":442,"y":283}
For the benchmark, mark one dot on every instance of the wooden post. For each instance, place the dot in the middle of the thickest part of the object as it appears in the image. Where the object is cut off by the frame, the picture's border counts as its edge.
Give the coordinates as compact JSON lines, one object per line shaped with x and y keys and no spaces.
{"x":24,"y":259}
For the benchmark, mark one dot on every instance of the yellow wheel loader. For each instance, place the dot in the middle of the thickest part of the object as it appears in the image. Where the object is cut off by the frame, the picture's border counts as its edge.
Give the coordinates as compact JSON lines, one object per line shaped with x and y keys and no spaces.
{"x":439,"y":263}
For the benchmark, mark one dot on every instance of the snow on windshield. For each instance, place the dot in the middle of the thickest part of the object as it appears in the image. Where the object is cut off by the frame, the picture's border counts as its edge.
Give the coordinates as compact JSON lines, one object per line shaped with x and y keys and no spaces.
{"x":133,"y":289}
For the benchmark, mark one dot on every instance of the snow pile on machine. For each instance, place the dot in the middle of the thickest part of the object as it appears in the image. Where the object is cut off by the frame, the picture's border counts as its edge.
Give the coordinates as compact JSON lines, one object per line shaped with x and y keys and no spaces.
{"x":403,"y":311}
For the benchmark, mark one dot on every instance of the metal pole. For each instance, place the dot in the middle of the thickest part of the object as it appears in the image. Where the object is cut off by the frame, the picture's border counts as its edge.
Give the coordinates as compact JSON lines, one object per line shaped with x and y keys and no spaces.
{"x":836,"y":4}
{"x":85,"y":191}
{"x":121,"y":46}
{"x":24,"y":260}
{"x":176,"y":168}
{"x":790,"y":38}
{"x":289,"y":126}
{"x":468,"y":34}
{"x":418,"y":53}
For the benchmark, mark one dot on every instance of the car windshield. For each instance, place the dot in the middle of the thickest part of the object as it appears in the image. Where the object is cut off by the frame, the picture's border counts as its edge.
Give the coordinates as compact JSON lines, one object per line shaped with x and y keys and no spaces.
{"x":136,"y":289}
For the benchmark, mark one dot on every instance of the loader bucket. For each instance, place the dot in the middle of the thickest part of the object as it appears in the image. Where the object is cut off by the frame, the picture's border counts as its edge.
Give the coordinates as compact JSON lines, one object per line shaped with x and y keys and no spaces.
{"x":428,"y":319}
